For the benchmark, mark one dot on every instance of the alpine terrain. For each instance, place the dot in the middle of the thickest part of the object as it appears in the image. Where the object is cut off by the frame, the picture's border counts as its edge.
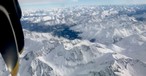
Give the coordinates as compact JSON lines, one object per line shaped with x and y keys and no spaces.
{"x":83,"y":41}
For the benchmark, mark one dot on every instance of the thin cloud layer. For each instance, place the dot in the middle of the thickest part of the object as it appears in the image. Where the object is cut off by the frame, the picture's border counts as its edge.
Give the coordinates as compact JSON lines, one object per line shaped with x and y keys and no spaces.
{"x":39,"y":1}
{"x":84,"y":1}
{"x":66,"y":3}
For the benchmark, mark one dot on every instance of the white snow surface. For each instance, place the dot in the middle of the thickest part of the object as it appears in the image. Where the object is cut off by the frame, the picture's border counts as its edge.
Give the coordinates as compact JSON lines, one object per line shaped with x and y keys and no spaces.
{"x":83,"y":41}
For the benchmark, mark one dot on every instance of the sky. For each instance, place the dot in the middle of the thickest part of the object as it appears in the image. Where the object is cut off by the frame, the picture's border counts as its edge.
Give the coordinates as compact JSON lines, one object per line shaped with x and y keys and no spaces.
{"x":34,"y":4}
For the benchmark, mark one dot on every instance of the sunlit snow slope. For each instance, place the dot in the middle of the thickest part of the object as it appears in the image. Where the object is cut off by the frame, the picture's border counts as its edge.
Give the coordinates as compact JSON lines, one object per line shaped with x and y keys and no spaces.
{"x":84,"y":41}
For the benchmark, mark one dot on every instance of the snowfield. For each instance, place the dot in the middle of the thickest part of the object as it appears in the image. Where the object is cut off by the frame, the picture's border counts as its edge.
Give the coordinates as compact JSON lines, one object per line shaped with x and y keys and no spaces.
{"x":83,"y":41}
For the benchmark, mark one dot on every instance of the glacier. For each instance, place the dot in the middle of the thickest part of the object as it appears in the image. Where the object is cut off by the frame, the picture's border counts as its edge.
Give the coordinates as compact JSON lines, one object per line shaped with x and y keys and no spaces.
{"x":83,"y":41}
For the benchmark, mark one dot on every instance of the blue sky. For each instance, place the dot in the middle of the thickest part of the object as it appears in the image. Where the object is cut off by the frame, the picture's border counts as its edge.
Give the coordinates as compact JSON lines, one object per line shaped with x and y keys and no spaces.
{"x":34,"y":4}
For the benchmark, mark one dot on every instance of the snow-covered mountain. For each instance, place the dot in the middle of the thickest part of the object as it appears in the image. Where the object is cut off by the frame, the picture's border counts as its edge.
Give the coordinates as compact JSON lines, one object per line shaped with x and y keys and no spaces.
{"x":84,"y":41}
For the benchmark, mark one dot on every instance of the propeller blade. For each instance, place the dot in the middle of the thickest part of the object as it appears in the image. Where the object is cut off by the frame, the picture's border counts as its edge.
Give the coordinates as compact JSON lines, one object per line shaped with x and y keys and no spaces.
{"x":8,"y":42}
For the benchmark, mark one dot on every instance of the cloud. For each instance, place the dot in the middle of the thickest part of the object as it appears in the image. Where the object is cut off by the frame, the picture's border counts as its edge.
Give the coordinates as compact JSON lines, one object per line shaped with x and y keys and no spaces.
{"x":64,"y":3}
{"x":39,"y":1}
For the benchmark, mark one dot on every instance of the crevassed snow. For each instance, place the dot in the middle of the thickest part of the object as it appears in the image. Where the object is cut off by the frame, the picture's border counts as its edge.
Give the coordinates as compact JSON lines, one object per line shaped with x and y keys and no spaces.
{"x":84,"y":41}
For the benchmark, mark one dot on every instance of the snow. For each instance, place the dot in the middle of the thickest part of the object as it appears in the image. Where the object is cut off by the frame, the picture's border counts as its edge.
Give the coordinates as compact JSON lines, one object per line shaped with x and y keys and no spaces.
{"x":84,"y":41}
